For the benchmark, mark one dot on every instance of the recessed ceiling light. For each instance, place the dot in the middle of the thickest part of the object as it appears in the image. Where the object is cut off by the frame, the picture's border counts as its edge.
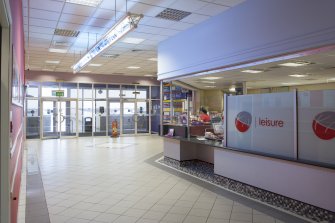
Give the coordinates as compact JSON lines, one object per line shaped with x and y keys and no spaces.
{"x":132,"y":40}
{"x":331,"y":79}
{"x":85,"y":71}
{"x":133,"y":67}
{"x":153,"y":59}
{"x":52,"y":61}
{"x":210,"y":78}
{"x":148,"y":75}
{"x":93,"y":3}
{"x":295,"y":64}
{"x":54,"y":50}
{"x":210,"y":86}
{"x":298,"y":75}
{"x":45,"y":69}
{"x":95,"y":65}
{"x":252,"y":71}
{"x":292,"y":83}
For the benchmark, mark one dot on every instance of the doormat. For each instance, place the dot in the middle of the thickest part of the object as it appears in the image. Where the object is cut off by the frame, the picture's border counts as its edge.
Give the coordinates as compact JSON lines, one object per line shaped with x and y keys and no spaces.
{"x":205,"y":171}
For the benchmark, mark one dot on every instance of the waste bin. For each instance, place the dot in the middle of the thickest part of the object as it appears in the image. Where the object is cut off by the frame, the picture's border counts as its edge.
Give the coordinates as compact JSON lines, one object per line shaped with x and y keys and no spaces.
{"x":88,"y":124}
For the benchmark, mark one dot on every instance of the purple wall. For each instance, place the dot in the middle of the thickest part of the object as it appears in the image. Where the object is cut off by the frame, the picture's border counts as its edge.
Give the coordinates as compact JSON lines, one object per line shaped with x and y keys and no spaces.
{"x":254,"y":30}
{"x":88,"y":78}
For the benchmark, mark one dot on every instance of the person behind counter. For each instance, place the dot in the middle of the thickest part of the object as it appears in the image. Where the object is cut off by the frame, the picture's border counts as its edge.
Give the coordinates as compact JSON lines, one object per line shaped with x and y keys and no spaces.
{"x":204,"y":117}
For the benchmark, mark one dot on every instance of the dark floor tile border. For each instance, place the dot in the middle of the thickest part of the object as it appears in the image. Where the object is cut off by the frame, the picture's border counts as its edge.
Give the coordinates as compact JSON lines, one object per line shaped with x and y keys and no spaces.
{"x":36,"y":205}
{"x":275,"y":212}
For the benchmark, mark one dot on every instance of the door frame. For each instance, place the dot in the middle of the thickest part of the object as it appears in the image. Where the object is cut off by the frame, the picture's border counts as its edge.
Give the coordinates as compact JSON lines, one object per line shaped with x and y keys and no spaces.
{"x":131,"y":100}
{"x":41,"y":117}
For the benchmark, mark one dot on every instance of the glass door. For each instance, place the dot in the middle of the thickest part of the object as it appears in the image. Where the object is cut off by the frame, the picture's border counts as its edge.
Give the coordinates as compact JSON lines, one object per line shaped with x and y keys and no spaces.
{"x":142,"y":117}
{"x":50,"y":119}
{"x":128,"y":118}
{"x":114,"y":117}
{"x":59,"y":118}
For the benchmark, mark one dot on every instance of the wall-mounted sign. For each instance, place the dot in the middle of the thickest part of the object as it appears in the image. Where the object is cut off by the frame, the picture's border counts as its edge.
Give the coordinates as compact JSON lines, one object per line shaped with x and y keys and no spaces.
{"x":58,"y":93}
{"x":262,"y":123}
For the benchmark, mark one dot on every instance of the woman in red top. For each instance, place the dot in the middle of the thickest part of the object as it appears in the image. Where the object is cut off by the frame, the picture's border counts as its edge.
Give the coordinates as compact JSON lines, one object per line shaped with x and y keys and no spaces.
{"x":204,"y":117}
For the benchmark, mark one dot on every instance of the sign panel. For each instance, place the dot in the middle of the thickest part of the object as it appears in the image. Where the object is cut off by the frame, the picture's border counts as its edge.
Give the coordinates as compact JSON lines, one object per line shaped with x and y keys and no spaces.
{"x":58,"y":93}
{"x":316,"y":128}
{"x":262,"y":123}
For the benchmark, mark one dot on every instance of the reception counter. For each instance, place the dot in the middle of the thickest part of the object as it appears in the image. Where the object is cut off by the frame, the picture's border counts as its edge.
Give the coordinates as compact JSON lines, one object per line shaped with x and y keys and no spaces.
{"x":273,"y":173}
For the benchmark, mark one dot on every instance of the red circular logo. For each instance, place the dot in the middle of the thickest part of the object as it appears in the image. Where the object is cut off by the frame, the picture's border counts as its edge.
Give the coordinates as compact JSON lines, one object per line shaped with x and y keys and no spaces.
{"x":243,"y":121}
{"x":324,"y":125}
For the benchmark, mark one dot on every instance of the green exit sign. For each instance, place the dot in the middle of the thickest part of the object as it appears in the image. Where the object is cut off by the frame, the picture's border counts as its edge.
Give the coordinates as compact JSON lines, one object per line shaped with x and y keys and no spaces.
{"x":59,"y":93}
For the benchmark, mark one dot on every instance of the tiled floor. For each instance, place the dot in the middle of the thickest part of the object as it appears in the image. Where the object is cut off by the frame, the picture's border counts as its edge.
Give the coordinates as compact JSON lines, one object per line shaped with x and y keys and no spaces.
{"x":109,"y":180}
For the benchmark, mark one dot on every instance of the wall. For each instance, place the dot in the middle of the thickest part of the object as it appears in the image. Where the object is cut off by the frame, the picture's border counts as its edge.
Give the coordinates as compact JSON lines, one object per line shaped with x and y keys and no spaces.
{"x":17,"y":111}
{"x":307,"y":87}
{"x":88,"y":78}
{"x":252,"y":31}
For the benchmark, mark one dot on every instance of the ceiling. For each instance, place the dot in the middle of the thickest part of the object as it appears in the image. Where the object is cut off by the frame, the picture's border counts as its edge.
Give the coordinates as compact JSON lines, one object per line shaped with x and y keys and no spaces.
{"x":43,"y":17}
{"x":321,"y":69}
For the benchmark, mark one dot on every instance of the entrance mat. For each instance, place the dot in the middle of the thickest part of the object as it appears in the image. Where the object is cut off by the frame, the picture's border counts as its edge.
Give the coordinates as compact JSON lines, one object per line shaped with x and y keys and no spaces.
{"x":205,"y":171}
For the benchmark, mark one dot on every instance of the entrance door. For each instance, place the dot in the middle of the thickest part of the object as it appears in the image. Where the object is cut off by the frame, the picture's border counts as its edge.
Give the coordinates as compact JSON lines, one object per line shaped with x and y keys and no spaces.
{"x":114,"y":112}
{"x":135,"y":117}
{"x":59,"y":118}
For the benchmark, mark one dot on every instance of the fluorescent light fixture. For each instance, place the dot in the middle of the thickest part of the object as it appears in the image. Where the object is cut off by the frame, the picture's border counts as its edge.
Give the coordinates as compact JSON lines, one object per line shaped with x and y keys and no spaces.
{"x":52,"y":61}
{"x":95,"y":65}
{"x":210,"y":86}
{"x":208,"y":82}
{"x":148,"y":75}
{"x":133,"y":67}
{"x":121,"y":28}
{"x":85,"y":71}
{"x":331,"y":79}
{"x":210,"y":78}
{"x":295,"y":64}
{"x":232,"y":89}
{"x":45,"y":69}
{"x":55,"y":50}
{"x":93,"y":3}
{"x":252,"y":71}
{"x":292,"y":83}
{"x":153,"y":59}
{"x":132,"y":40}
{"x":298,"y":75}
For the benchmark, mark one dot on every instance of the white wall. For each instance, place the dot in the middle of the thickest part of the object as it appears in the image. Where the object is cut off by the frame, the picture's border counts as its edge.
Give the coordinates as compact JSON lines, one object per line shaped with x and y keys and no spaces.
{"x":251,"y":31}
{"x":310,"y":184}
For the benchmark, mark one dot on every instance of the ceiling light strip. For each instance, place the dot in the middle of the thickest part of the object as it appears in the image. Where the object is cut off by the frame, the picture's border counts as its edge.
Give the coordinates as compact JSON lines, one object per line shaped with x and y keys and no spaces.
{"x":125,"y":25}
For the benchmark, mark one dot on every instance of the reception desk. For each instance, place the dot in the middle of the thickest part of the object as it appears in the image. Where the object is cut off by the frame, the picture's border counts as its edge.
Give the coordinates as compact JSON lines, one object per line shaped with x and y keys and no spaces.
{"x":276,"y":174}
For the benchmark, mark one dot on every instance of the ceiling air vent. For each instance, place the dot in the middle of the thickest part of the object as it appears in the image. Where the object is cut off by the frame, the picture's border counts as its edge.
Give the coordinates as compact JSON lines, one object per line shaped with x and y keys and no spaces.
{"x":173,"y":14}
{"x":66,"y":32}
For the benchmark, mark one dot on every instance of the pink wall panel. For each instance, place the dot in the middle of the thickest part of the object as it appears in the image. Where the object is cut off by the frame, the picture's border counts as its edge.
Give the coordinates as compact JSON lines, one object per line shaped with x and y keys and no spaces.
{"x":17,"y":111}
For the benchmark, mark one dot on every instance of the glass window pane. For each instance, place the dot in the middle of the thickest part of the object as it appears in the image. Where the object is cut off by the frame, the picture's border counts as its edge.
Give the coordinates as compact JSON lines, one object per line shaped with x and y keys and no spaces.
{"x":142,"y":92}
{"x":155,"y":92}
{"x":32,"y":89}
{"x":114,"y":91}
{"x":33,"y":119}
{"x":48,"y":87}
{"x":85,"y":91}
{"x":100,"y":124}
{"x":100,"y":90}
{"x":128,"y":91}
{"x":85,"y":113}
{"x":70,"y":89}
